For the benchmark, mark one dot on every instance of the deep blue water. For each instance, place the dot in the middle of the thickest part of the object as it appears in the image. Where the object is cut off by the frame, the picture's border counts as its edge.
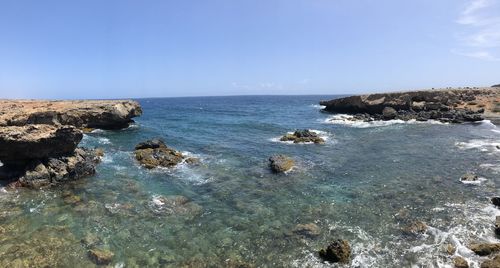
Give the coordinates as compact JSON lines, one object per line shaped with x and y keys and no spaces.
{"x":365,"y":184}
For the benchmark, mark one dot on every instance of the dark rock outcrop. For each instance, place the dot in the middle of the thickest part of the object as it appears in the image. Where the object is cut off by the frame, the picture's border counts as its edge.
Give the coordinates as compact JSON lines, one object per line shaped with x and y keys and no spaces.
{"x":338,"y":251}
{"x":280,"y":163}
{"x":155,"y":153}
{"x":114,"y":114}
{"x":53,"y":170}
{"x":484,"y":249}
{"x":303,"y":136}
{"x":497,"y":226}
{"x":496,"y":201}
{"x":19,"y":145}
{"x":454,"y":106}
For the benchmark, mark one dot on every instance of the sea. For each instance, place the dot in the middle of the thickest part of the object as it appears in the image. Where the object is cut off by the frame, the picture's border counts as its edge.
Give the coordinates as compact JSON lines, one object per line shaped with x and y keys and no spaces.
{"x":365,"y":184}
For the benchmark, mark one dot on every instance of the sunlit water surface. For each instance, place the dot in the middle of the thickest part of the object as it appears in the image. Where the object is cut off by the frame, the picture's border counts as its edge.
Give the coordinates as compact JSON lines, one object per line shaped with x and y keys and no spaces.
{"x":365,"y":184}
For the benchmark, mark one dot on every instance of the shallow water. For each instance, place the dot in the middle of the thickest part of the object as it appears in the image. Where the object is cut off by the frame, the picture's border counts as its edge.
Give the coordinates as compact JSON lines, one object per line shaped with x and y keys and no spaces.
{"x":365,"y":184}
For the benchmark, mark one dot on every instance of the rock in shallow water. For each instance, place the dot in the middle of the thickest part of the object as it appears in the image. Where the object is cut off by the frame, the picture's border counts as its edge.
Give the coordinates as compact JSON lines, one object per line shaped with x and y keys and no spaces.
{"x":338,"y":251}
{"x":469,"y":177}
{"x":101,"y":256}
{"x":460,"y":262}
{"x":484,"y":249}
{"x":415,"y":228}
{"x":493,"y":263}
{"x":50,"y":171}
{"x":309,"y":230}
{"x":303,"y":136}
{"x":155,"y":153}
{"x":174,"y":205}
{"x":281,"y":163}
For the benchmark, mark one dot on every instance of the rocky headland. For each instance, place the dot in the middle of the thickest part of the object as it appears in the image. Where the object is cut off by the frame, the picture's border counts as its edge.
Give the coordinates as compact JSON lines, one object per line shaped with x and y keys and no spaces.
{"x":39,"y":139}
{"x":445,"y":105}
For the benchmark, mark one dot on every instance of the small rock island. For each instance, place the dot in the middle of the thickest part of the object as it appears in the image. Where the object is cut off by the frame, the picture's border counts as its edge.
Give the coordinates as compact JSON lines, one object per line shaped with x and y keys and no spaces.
{"x":39,"y":139}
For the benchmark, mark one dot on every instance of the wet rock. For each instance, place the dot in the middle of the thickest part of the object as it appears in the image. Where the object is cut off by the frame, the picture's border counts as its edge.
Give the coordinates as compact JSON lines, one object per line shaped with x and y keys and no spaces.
{"x":415,"y":228}
{"x":484,"y":249}
{"x":101,"y":256}
{"x":51,"y":171}
{"x":496,"y":201}
{"x":460,"y":262}
{"x":338,"y":251}
{"x":174,"y":205}
{"x":450,"y":249}
{"x":155,"y":153}
{"x":389,"y":113}
{"x":19,"y":145}
{"x":281,"y":163}
{"x":303,"y":136}
{"x":72,"y":199}
{"x":309,"y":230}
{"x":469,"y":177}
{"x":493,"y":263}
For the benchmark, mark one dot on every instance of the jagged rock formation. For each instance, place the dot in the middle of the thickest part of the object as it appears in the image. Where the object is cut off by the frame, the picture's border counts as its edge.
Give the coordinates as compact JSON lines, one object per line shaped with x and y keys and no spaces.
{"x":80,"y":114}
{"x":39,"y":139}
{"x":155,"y":153}
{"x":303,"y":136}
{"x":455,"y":106}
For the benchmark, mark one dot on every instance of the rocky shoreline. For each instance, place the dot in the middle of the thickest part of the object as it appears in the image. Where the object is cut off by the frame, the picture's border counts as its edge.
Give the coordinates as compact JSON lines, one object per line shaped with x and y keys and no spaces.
{"x":39,"y":139}
{"x":445,"y":105}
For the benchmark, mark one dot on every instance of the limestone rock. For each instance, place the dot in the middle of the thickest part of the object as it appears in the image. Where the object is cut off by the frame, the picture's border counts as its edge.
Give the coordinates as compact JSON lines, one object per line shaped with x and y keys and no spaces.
{"x":493,"y":263}
{"x":469,"y":177}
{"x":309,"y":230}
{"x":460,"y":262}
{"x":18,"y":145}
{"x":415,"y":228}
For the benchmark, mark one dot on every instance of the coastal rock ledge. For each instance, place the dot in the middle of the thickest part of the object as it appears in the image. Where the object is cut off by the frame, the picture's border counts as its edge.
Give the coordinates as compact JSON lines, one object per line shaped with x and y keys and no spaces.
{"x":39,"y":139}
{"x":446,"y":105}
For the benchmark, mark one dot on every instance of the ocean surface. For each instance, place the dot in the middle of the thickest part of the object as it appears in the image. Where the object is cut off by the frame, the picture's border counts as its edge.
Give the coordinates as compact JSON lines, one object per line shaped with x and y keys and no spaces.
{"x":366,"y":183}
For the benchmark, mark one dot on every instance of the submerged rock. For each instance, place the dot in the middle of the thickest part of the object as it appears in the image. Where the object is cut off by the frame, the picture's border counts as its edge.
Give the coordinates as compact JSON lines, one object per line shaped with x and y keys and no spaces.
{"x":460,"y":262}
{"x":415,"y":228}
{"x":155,"y":153}
{"x":101,"y":256}
{"x":174,"y":205}
{"x":281,"y":163}
{"x":309,"y":230}
{"x":338,"y":251}
{"x":484,"y":249}
{"x":19,"y":145}
{"x":303,"y":136}
{"x":493,"y":263}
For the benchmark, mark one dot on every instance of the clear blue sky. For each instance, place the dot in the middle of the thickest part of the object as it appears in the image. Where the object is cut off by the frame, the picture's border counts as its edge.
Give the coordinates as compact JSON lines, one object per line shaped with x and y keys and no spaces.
{"x":123,"y":48}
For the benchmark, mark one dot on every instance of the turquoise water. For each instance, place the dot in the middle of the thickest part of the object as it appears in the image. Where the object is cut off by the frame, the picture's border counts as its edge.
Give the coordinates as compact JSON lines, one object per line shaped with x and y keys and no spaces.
{"x":366,"y":183}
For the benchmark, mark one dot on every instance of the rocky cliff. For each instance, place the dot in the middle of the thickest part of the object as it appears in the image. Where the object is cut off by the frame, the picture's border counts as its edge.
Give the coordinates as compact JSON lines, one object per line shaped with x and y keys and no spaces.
{"x":39,"y":139}
{"x":447,"y":105}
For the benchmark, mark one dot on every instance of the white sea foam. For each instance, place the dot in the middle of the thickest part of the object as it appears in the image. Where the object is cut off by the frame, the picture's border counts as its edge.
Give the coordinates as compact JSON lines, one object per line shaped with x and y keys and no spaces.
{"x":103,"y":140}
{"x":317,"y":106}
{"x":476,"y":182}
{"x":349,"y":120}
{"x":482,"y":145}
